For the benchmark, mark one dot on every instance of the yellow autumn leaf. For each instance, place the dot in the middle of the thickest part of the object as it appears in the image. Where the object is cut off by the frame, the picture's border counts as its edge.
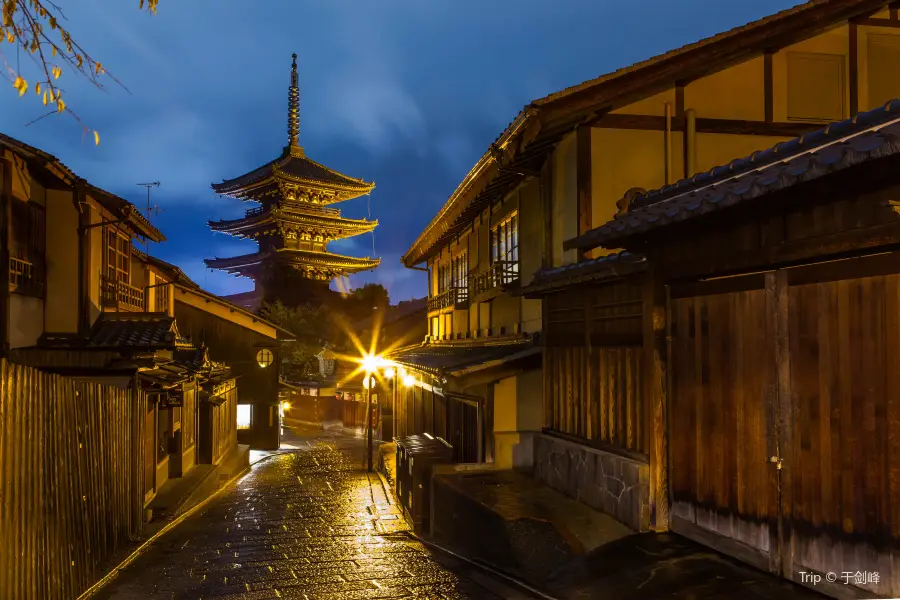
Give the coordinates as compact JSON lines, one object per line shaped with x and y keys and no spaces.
{"x":52,"y":22}
{"x":60,"y":105}
{"x":45,"y":97}
{"x":37,"y":88}
{"x":79,"y":59}
{"x":98,"y":68}
{"x":21,"y":85}
{"x":57,"y":71}
{"x":96,"y":139}
{"x":10,"y":37}
{"x":53,"y":51}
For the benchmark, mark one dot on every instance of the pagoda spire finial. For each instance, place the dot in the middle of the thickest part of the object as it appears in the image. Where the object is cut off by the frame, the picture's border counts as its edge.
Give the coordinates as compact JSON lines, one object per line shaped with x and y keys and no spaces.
{"x":294,"y":111}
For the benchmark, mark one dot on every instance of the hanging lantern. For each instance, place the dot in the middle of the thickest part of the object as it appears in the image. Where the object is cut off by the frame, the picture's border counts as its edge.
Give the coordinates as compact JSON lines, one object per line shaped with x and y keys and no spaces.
{"x":327,"y":360}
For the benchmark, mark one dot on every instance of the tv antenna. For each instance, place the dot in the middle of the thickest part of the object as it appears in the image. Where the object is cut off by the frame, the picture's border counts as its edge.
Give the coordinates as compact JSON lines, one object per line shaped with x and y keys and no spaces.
{"x":152,"y":209}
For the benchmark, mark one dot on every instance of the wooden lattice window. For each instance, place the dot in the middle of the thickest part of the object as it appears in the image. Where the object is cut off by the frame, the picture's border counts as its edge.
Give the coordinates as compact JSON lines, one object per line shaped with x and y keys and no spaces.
{"x":505,"y":248}
{"x":459,"y":267}
{"x":117,"y":258}
{"x":27,"y":247}
{"x":445,"y":278}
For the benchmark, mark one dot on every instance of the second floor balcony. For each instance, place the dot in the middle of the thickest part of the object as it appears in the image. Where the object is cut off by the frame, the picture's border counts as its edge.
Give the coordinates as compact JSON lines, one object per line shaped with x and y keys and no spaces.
{"x":455,"y":297}
{"x":119,"y":295}
{"x":500,"y":273}
{"x":26,"y":276}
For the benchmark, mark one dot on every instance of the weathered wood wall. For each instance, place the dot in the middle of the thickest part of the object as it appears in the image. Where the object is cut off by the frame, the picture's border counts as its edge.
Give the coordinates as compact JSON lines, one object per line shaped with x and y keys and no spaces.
{"x":312,"y":409}
{"x":788,"y":351}
{"x":722,"y":378}
{"x":237,"y":347}
{"x":71,"y":490}
{"x":593,"y":365}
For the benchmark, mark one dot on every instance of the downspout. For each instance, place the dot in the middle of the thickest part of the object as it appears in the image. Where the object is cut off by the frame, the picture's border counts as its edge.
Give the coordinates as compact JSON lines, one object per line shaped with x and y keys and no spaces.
{"x":668,"y":143}
{"x":690,"y":142}
{"x":78,"y":199}
{"x":6,"y":170}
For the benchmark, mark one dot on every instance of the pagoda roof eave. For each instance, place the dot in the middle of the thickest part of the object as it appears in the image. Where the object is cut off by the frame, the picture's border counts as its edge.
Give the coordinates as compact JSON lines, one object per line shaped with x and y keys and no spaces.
{"x":294,"y":256}
{"x":341,"y":261}
{"x":294,"y":167}
{"x":350,"y":226}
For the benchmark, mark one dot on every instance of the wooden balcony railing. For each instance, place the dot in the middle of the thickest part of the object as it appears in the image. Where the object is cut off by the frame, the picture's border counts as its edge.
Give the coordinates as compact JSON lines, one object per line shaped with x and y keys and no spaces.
{"x":305,"y":207}
{"x":121,"y":295}
{"x":26,"y":276}
{"x":450,"y":298}
{"x":499,"y":273}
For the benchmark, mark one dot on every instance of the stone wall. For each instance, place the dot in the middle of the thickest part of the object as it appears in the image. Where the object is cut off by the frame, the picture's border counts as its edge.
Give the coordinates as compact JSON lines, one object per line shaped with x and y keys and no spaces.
{"x":608,"y":482}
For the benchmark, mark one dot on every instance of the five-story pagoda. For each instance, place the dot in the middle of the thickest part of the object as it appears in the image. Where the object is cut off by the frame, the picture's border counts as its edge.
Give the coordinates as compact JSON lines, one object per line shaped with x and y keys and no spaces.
{"x":293,"y":223}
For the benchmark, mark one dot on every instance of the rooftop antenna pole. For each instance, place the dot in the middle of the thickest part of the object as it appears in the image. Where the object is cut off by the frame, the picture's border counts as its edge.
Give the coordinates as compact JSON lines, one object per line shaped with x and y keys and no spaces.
{"x":151,"y":210}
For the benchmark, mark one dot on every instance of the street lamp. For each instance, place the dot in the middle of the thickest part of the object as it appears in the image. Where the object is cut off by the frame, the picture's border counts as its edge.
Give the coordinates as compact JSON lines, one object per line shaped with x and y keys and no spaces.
{"x":369,"y":383}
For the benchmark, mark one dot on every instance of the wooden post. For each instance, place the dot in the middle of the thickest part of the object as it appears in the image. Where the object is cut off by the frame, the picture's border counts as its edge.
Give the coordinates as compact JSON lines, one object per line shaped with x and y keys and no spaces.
{"x":6,"y":175}
{"x":84,"y":255}
{"x":779,"y":413}
{"x":654,"y":326}
{"x":583,"y":181}
{"x":854,"y":68}
{"x":768,"y":88}
{"x":546,"y":183}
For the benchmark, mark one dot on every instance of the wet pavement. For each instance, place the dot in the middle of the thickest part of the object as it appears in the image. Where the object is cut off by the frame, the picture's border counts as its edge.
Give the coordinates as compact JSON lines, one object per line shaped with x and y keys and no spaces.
{"x":308,"y":523}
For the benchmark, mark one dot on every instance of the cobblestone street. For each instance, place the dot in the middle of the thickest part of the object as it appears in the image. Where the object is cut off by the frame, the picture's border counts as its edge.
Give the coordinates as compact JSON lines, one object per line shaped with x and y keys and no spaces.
{"x":306,"y":524}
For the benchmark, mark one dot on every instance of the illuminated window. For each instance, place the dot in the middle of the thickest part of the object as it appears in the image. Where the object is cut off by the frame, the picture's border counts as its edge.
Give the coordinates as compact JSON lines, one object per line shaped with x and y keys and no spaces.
{"x":264,"y":358}
{"x":444,"y":278}
{"x":459,"y":267}
{"x":244,"y":411}
{"x":505,"y":249}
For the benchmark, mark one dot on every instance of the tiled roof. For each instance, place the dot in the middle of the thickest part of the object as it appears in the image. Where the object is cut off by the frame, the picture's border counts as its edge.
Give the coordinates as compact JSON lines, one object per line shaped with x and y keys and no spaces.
{"x":446,"y":358}
{"x":116,"y":205}
{"x":294,"y":256}
{"x":133,"y":330}
{"x":839,"y":146}
{"x":611,"y":266}
{"x":172,"y":272}
{"x":612,"y":90}
{"x":293,"y":166}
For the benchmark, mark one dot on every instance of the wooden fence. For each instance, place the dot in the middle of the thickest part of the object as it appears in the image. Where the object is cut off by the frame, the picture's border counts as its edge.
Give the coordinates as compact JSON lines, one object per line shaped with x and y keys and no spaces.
{"x":419,"y":410}
{"x":593,"y":365}
{"x":70,"y":480}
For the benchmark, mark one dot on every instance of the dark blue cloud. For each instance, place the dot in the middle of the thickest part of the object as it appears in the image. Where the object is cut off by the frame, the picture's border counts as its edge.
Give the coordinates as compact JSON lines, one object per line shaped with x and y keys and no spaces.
{"x":406,"y":94}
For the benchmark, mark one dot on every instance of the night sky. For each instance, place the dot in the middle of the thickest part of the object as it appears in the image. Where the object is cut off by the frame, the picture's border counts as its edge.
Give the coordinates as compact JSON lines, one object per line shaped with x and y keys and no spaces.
{"x":406,"y":94}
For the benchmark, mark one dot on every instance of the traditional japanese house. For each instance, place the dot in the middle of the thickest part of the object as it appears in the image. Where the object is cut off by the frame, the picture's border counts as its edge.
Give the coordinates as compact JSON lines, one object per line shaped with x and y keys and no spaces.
{"x":237,"y":338}
{"x":581,"y":155}
{"x":69,"y":248}
{"x":293,"y":223}
{"x":775,"y":329}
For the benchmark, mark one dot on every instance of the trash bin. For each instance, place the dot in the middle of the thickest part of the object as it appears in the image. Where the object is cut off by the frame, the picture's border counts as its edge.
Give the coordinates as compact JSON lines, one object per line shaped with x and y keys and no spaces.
{"x":416,"y":454}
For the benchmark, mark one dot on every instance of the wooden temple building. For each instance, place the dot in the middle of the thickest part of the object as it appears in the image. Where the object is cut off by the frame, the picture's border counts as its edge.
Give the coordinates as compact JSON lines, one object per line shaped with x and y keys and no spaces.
{"x":293,"y":223}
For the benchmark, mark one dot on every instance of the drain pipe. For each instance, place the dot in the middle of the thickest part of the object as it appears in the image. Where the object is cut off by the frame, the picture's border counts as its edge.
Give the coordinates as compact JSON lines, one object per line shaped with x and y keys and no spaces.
{"x":690,"y":142}
{"x":668,"y":143}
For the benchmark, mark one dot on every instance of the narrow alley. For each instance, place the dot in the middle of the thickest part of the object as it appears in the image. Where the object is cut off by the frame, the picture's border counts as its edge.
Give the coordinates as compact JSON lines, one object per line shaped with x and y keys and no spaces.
{"x":304,"y":524}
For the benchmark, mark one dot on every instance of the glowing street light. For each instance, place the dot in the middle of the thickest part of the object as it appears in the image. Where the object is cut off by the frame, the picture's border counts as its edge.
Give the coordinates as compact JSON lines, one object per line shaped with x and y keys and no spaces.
{"x":409,"y":381}
{"x":370,"y":364}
